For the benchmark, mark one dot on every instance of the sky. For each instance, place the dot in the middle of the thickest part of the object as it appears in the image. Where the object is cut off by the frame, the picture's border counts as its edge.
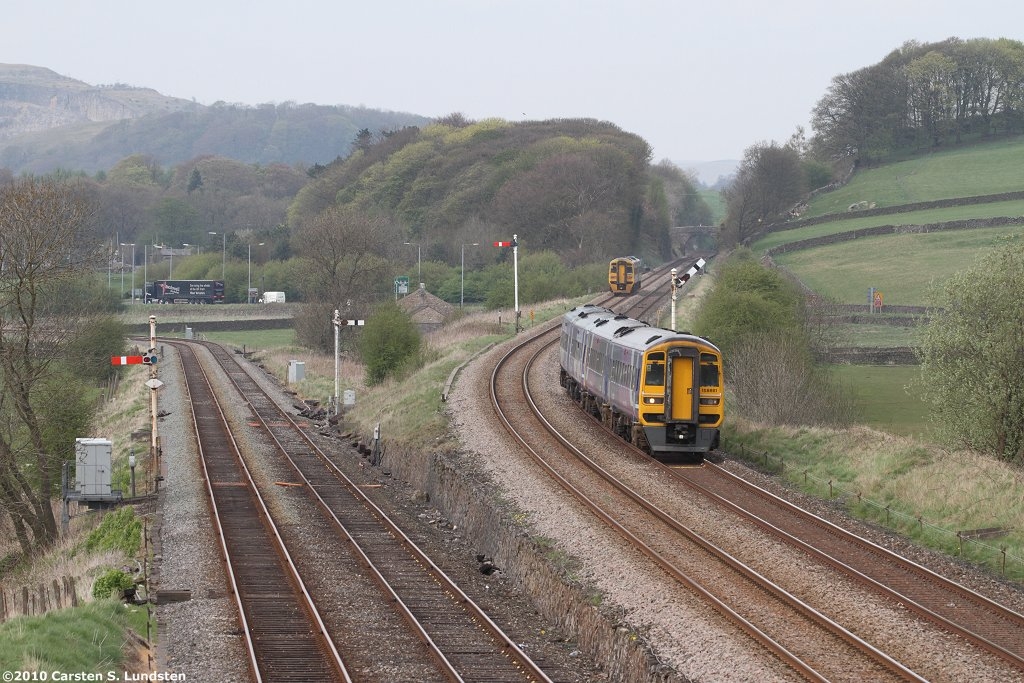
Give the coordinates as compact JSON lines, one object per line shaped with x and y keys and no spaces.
{"x":700,"y":80}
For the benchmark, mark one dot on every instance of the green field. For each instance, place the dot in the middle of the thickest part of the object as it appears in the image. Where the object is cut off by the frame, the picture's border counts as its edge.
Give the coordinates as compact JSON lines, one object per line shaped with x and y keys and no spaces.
{"x":885,"y":398}
{"x":981,"y":169}
{"x":903,"y":267}
{"x":873,"y":335}
{"x":254,"y":339}
{"x":924,"y":217}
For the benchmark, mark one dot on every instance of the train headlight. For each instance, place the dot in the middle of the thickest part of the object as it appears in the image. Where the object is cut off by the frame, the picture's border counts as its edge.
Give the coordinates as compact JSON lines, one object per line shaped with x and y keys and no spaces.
{"x":710,"y":401}
{"x":653,"y":400}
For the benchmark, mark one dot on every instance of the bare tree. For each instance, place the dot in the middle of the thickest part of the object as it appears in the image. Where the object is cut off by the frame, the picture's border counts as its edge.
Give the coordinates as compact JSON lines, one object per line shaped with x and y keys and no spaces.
{"x":769,"y":181}
{"x":44,"y":243}
{"x":773,"y":380}
{"x":346,"y":252}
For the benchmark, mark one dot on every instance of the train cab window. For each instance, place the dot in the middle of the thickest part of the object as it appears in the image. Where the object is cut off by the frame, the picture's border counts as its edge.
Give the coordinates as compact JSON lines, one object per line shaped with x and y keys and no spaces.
{"x":654,"y":371}
{"x":709,"y":371}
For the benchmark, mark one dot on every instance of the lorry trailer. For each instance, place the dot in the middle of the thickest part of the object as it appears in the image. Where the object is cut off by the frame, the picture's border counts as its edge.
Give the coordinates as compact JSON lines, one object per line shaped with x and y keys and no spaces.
{"x":185,"y":292}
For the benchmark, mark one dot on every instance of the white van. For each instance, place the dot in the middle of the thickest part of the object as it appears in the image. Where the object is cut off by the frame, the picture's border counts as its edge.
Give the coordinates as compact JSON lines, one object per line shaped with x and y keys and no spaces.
{"x":273,"y":297}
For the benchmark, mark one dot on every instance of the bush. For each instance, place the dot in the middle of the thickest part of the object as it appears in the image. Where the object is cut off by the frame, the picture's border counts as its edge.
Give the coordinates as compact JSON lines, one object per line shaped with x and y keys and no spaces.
{"x":749,"y":300}
{"x":390,"y":343}
{"x":120,"y":530}
{"x":114,"y":581}
{"x":757,"y":318}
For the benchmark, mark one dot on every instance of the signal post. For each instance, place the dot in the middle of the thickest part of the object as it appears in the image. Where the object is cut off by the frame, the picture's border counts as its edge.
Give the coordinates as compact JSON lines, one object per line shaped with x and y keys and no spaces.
{"x":680,"y":280}
{"x":515,"y":273}
{"x":149,"y":358}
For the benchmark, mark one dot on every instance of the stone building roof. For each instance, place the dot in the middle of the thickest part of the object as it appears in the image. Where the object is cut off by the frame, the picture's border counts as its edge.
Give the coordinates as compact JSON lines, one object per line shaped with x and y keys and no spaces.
{"x":426,"y":309}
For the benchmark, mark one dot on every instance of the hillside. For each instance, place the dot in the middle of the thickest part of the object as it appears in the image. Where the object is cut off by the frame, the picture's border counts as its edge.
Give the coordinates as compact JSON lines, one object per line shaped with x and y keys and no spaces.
{"x":34,"y":99}
{"x":50,"y":122}
{"x":926,"y":218}
{"x":581,"y":188}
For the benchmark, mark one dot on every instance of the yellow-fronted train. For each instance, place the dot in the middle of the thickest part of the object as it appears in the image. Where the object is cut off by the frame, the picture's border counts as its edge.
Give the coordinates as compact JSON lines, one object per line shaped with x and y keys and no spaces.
{"x":658,"y":389}
{"x":624,"y":275}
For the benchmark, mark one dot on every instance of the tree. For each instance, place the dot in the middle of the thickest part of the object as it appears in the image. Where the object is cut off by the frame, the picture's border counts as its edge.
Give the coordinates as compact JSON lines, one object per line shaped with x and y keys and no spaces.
{"x":972,"y":369}
{"x":344,"y":251}
{"x":364,"y":139}
{"x":773,"y":380}
{"x":175,"y":221}
{"x":922,"y":94}
{"x":769,"y":182}
{"x":195,"y":181}
{"x":44,"y":243}
{"x":933,"y":98}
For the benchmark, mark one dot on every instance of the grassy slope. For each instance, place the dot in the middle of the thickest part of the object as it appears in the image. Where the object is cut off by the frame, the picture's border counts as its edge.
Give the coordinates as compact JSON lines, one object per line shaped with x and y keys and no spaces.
{"x":897,"y":466}
{"x":855,"y":222}
{"x":905,"y":268}
{"x":982,"y":169}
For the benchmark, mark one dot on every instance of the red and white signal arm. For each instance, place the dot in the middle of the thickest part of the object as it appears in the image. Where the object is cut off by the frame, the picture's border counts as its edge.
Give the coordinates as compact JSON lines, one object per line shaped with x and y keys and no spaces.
{"x":503,"y":244}
{"x":148,"y":359}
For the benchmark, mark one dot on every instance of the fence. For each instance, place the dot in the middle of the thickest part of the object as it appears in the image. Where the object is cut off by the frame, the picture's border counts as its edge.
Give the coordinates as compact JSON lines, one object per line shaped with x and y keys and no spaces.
{"x":967,"y":543}
{"x":40,"y":600}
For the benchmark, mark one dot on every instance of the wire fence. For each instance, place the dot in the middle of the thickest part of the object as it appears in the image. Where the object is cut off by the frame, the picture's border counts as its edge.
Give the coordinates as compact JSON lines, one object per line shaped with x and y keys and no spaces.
{"x":966,"y":543}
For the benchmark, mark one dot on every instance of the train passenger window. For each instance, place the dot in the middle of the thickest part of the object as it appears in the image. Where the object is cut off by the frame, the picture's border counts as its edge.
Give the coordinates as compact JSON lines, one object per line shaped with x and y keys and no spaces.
{"x":654,"y":372}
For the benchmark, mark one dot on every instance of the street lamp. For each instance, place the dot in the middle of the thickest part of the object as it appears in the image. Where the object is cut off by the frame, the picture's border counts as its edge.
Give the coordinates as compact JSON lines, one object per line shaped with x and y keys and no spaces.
{"x":248,"y":288}
{"x":170,"y":268}
{"x":462,"y":292}
{"x":223,"y":253}
{"x":132,"y":245}
{"x":419,"y":262}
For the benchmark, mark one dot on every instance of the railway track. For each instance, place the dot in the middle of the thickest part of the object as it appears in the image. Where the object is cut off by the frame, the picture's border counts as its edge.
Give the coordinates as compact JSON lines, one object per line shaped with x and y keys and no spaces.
{"x":326,"y":523}
{"x":992,"y":628}
{"x":806,"y":639}
{"x":283,"y":630}
{"x":949,"y":605}
{"x":946,"y":603}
